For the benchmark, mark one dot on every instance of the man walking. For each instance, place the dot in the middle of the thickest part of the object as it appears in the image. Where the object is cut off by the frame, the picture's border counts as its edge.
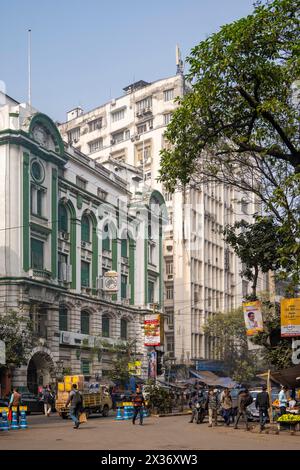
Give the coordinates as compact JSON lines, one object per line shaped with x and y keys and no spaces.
{"x":212,"y":403}
{"x":75,"y":399}
{"x":138,"y":402}
{"x":244,"y":400}
{"x":226,"y":403}
{"x":262,"y":403}
{"x":48,"y":400}
{"x":15,"y":401}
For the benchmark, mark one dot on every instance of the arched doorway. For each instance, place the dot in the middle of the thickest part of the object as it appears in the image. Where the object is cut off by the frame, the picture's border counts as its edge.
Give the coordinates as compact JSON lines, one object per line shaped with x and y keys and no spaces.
{"x":40,"y":369}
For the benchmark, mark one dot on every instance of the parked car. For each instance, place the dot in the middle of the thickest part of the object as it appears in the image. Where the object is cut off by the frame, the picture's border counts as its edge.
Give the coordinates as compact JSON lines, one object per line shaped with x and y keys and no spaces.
{"x":253,"y":412}
{"x":34,"y":403}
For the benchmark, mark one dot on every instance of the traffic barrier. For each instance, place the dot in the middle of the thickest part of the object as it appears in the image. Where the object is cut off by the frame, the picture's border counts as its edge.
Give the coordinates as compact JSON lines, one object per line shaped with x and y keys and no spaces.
{"x":145,"y":412}
{"x":23,"y":419}
{"x":119,"y":416}
{"x":5,"y":425}
{"x":126,"y":413}
{"x":14,"y":421}
{"x":130,"y":411}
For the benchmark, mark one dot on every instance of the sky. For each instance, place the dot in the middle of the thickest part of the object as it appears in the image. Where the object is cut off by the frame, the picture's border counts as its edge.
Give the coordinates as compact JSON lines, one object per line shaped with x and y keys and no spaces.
{"x":84,"y":52}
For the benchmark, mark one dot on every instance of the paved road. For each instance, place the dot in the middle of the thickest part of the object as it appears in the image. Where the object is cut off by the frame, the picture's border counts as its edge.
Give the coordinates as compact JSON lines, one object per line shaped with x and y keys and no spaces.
{"x":170,"y":433}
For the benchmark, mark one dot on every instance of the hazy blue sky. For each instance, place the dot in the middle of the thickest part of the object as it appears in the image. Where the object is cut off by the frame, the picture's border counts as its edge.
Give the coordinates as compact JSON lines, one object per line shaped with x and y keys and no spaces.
{"x":85,"y":51}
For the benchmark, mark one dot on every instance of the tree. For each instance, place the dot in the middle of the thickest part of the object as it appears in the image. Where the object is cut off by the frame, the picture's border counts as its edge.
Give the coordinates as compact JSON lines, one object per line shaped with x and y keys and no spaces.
{"x":16,"y":332}
{"x":229,"y":341}
{"x":276,"y":351}
{"x":122,"y":355}
{"x":242,"y":105}
{"x":257,"y":246}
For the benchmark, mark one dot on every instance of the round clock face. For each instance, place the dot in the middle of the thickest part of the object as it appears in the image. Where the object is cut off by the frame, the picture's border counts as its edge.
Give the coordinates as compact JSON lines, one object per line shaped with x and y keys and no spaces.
{"x":111,"y":283}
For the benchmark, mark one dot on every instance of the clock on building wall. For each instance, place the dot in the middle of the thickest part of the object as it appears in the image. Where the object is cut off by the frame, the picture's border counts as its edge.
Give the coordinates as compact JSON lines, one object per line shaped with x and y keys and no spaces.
{"x":37,"y":171}
{"x":110,"y":281}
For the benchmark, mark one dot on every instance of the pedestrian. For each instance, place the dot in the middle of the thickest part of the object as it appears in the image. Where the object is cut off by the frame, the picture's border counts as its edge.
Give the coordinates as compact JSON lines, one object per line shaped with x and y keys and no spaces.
{"x":262,"y":403}
{"x":75,"y":399}
{"x":244,"y":400}
{"x":15,"y":401}
{"x":226,"y":403}
{"x":283,"y":400}
{"x":48,"y":400}
{"x":212,"y":404}
{"x":138,"y":402}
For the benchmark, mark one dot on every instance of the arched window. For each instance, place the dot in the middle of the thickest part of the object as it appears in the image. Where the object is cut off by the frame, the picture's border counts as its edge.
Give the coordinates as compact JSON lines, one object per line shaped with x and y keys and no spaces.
{"x":106,"y":239}
{"x":63,"y":318}
{"x":105,"y":326}
{"x":85,"y":229}
{"x":124,"y":332}
{"x":62,"y":218}
{"x":85,"y":322}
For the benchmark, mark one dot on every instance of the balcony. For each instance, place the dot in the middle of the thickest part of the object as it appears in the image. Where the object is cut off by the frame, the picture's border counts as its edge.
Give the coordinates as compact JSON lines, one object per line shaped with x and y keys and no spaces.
{"x":41,"y":274}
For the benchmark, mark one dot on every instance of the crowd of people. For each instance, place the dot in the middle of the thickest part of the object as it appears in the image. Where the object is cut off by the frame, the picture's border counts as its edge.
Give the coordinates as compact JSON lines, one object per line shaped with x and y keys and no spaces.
{"x":215,"y":402}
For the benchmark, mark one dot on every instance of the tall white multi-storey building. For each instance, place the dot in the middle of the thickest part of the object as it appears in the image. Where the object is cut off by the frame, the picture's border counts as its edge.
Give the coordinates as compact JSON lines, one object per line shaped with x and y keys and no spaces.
{"x":201,"y":273}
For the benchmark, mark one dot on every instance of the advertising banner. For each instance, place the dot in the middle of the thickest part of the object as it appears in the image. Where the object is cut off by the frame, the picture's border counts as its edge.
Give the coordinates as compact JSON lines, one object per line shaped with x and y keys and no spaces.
{"x":152,"y":367}
{"x":135,"y":368}
{"x":290,"y":317}
{"x":152,"y":330}
{"x":253,"y":317}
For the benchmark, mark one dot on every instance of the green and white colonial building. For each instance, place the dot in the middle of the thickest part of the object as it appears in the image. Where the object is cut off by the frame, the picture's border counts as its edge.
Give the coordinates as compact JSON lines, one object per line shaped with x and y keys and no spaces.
{"x":65,"y":220}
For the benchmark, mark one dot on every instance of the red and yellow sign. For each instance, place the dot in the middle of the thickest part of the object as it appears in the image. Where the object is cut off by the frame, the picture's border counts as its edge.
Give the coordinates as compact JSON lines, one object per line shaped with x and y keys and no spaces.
{"x":290,"y":317}
{"x":152,"y":330}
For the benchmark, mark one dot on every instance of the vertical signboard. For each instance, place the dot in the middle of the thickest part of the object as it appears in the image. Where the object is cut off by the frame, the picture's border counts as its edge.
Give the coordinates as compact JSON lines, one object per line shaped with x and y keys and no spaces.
{"x":253,"y":317}
{"x":152,"y":330}
{"x":152,"y":367}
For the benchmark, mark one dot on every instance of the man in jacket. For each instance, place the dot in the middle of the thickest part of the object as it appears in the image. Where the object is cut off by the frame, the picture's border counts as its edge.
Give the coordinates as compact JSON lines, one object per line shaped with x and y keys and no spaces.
{"x":226,"y":403}
{"x":262,"y":403}
{"x":244,"y":400}
{"x":138,"y":402}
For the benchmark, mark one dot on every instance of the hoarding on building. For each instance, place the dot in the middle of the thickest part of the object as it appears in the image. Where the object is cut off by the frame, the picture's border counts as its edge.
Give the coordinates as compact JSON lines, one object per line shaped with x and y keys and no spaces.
{"x":253,"y":317}
{"x":290,"y":317}
{"x":135,"y":368}
{"x":152,"y":330}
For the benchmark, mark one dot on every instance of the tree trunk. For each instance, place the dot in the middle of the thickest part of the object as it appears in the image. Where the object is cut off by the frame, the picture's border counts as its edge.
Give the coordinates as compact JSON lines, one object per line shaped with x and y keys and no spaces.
{"x":254,"y":285}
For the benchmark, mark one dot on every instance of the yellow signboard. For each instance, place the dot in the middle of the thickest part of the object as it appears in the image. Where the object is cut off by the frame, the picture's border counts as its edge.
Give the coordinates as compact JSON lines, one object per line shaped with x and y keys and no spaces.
{"x":135,"y":368}
{"x":290,"y":317}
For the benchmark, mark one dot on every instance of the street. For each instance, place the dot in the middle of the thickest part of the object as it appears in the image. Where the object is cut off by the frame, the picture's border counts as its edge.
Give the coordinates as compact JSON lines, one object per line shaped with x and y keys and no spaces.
{"x":168,"y":433}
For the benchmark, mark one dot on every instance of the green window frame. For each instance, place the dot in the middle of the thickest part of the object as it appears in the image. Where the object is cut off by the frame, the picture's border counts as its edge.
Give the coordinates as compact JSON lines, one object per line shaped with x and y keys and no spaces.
{"x":39,"y":202}
{"x":124,"y":248}
{"x":37,"y":254}
{"x":85,"y":322}
{"x":85,"y":274}
{"x":124,"y":329}
{"x":85,"y":229}
{"x":63,"y":319}
{"x":105,"y":326}
{"x":62,"y":218}
{"x":106,"y":243}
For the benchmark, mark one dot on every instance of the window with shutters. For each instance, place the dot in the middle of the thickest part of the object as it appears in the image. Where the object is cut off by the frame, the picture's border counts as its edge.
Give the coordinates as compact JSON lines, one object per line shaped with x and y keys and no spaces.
{"x":124,"y":248}
{"x":123,"y":287}
{"x":150,"y":292}
{"x":85,"y":322}
{"x":62,"y":218}
{"x":37,"y":254}
{"x":85,"y":274}
{"x":124,"y":329}
{"x":106,"y":245}
{"x":85,"y":367}
{"x":85,"y":229}
{"x":105,"y":326}
{"x":63,"y":319}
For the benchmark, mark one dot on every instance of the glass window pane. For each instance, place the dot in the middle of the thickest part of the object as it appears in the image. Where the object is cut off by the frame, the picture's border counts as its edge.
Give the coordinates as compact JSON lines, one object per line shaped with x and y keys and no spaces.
{"x":123,"y":329}
{"x":124,"y":252}
{"x":62,"y":218}
{"x":123,"y":287}
{"x":106,"y":239}
{"x":63,"y":319}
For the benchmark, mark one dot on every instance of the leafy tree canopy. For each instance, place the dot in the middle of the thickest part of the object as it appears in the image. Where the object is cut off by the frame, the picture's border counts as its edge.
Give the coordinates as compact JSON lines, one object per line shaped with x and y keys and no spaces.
{"x":242,"y":104}
{"x":16,"y":332}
